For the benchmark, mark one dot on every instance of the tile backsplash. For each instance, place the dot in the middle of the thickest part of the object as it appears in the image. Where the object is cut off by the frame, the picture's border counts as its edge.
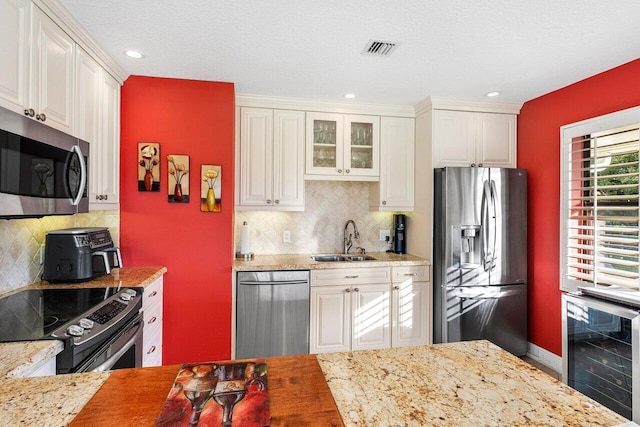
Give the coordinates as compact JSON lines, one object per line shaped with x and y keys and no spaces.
{"x":320,"y":228}
{"x":20,"y":241}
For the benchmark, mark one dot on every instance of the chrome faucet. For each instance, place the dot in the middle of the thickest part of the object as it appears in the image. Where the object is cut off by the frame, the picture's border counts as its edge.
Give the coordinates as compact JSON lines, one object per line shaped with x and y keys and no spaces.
{"x":348,"y":242}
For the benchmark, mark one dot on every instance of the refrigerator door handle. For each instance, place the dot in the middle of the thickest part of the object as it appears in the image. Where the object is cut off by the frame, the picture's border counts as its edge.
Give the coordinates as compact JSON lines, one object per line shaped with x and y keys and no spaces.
{"x":484,"y":224}
{"x":493,"y":295}
{"x":494,"y":223}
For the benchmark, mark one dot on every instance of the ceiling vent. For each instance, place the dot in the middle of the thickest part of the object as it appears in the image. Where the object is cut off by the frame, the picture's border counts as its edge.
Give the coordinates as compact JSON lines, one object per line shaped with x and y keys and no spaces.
{"x":379,"y":48}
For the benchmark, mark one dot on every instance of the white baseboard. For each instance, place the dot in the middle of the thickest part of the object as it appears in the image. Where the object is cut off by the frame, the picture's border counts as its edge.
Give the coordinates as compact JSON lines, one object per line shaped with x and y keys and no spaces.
{"x":545,"y":357}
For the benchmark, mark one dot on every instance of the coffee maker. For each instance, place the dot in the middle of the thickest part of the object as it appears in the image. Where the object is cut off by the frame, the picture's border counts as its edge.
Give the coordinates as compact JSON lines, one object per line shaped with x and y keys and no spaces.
{"x":399,"y":234}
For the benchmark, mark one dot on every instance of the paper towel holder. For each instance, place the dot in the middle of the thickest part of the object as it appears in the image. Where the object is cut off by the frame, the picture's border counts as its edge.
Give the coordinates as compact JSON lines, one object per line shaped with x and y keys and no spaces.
{"x":244,"y":257}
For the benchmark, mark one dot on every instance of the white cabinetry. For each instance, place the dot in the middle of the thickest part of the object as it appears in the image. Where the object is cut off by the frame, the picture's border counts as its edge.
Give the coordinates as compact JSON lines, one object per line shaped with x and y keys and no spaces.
{"x":15,"y":21}
{"x":350,"y":309}
{"x":395,"y":190}
{"x":271,"y":160}
{"x":342,"y":147}
{"x":465,"y":138}
{"x":152,"y":332}
{"x":410,"y":310}
{"x":46,"y":369}
{"x":98,"y":122}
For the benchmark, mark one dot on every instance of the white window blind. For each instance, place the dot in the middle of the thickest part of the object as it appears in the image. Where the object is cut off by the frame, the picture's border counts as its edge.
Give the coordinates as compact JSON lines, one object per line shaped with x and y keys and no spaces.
{"x":600,"y":208}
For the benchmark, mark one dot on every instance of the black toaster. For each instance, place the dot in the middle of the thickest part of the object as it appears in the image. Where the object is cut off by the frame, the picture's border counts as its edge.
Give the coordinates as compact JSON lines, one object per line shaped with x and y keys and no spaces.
{"x":79,"y":254}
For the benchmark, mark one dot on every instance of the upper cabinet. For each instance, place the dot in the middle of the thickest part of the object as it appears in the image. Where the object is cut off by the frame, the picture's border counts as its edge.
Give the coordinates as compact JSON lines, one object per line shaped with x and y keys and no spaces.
{"x":36,"y":78}
{"x":465,"y":138}
{"x":271,"y":160}
{"x":342,"y":147}
{"x":395,"y":190}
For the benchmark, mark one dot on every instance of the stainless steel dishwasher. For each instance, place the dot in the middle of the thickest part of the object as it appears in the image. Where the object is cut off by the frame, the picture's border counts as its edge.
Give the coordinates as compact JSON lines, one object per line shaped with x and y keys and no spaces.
{"x":272,"y":313}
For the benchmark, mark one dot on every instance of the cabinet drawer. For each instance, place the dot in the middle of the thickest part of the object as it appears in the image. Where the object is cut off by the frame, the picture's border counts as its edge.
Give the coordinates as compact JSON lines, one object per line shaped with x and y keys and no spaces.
{"x":419,"y":273}
{"x":152,"y":293}
{"x":152,"y":320}
{"x":152,"y":348}
{"x":348,"y":276}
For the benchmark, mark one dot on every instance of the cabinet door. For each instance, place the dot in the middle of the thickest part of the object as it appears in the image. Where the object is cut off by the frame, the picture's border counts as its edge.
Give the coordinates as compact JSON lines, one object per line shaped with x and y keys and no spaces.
{"x":371,"y":317}
{"x":397,"y":147}
{"x":87,"y":101}
{"x":110,"y":139}
{"x":256,"y":157}
{"x":52,"y":73}
{"x":325,"y":149}
{"x":330,"y":319}
{"x":454,"y":138}
{"x":288,"y":158}
{"x":361,"y":145}
{"x":496,"y":140}
{"x":410,"y":313}
{"x":14,"y":45}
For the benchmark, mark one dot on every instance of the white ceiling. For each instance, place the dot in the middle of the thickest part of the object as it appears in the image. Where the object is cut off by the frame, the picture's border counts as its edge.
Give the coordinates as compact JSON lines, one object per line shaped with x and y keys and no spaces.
{"x":311,"y":49}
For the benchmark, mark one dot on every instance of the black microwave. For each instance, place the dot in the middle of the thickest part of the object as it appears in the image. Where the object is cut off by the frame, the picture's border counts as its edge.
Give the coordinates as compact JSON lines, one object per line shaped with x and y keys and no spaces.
{"x":42,"y":171}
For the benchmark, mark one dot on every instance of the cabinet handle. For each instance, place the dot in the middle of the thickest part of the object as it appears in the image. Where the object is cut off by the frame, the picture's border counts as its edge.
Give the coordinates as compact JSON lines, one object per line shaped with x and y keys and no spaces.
{"x":384,"y":202}
{"x":29,"y":112}
{"x":152,"y":349}
{"x":268,"y":201}
{"x":473,"y":165}
{"x":479,"y":165}
{"x":106,"y":197}
{"x":42,"y":117}
{"x":97,"y":197}
{"x":356,"y":289}
{"x":348,"y":170}
{"x":411,"y":274}
{"x":395,"y":288}
{"x":277,"y":202}
{"x":347,"y":290}
{"x":339,"y":170}
{"x":351,"y":277}
{"x":152,"y":320}
{"x":153,"y":294}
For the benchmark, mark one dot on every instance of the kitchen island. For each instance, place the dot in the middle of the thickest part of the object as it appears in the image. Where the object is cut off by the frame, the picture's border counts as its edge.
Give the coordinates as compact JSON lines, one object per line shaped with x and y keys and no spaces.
{"x":458,"y":384}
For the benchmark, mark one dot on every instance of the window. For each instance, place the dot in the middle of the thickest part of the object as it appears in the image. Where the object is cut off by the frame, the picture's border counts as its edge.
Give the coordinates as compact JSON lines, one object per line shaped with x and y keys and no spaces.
{"x":599,"y":202}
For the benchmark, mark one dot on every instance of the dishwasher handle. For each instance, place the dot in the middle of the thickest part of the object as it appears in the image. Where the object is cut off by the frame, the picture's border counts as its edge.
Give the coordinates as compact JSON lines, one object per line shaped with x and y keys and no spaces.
{"x":282,"y":282}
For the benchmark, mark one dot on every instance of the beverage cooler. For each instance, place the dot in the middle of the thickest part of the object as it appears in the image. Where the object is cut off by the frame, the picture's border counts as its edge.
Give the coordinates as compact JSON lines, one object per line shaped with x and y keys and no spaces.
{"x":600,"y":352}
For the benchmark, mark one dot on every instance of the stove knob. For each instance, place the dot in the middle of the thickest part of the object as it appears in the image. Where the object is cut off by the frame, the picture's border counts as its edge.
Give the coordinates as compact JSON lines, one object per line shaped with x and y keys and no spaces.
{"x":75,"y":330}
{"x":125,"y":297}
{"x":86,"y":323}
{"x":131,"y":292}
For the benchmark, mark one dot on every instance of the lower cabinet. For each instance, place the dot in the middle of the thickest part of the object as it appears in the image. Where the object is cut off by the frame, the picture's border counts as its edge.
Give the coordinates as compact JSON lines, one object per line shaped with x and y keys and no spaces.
{"x":368,"y":308}
{"x":152,"y":332}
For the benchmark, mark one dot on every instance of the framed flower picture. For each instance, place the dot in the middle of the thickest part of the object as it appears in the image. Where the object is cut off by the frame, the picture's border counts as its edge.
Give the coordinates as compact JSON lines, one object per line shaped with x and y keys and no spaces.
{"x":178,"y":170}
{"x":148,"y":166}
{"x":211,"y":188}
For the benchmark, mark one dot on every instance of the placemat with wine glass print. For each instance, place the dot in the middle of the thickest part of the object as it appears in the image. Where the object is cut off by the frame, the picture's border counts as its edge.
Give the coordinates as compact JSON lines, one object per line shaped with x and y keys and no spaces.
{"x":211,"y":394}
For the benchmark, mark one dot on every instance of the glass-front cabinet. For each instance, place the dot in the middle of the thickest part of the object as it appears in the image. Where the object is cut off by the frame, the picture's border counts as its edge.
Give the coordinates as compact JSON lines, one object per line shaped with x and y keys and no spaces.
{"x":342,"y":147}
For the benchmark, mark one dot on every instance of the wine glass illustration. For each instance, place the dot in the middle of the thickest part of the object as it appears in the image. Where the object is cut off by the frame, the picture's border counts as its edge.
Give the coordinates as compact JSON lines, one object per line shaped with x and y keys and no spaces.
{"x":233,"y":382}
{"x":199,"y":390}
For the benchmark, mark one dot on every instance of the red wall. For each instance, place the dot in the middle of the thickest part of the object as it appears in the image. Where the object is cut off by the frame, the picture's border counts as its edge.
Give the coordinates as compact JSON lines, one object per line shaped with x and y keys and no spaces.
{"x":195,"y":118}
{"x":539,"y":151}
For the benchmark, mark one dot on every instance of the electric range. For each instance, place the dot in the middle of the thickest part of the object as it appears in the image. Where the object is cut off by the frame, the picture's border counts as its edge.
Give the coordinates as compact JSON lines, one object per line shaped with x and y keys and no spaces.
{"x":86,"y":320}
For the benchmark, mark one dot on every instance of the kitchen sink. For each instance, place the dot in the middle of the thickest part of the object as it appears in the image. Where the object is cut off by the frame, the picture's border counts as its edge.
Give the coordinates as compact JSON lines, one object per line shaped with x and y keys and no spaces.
{"x":341,"y":258}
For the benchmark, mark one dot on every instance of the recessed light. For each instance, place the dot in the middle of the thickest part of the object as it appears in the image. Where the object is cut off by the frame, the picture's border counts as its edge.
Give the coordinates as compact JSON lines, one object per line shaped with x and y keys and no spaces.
{"x":492,"y":94}
{"x":133,"y":54}
{"x":349,"y":95}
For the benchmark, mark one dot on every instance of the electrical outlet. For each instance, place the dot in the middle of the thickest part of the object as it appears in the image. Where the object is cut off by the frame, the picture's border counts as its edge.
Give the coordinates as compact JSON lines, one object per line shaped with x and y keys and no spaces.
{"x":385,"y":235}
{"x":286,"y":236}
{"x":42,"y":254}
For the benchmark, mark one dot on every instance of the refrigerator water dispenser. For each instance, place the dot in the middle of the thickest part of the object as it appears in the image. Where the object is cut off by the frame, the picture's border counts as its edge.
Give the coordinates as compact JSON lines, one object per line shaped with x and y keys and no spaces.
{"x":466,"y":246}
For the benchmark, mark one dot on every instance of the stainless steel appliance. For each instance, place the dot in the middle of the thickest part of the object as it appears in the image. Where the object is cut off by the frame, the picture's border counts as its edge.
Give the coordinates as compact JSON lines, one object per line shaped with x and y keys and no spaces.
{"x":79,"y":254}
{"x":601,"y":351}
{"x":272,"y":315}
{"x":480,"y":256}
{"x":42,"y":171}
{"x":101,"y":328}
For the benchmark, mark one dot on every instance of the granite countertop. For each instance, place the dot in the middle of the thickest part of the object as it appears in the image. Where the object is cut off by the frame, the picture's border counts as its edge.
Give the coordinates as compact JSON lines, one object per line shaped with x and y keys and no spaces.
{"x":304,"y":262}
{"x":459,"y":384}
{"x":21,"y":359}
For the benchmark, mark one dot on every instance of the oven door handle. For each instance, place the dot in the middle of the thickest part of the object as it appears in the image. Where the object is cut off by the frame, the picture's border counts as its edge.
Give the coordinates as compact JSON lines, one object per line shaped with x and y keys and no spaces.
{"x":108,"y":364}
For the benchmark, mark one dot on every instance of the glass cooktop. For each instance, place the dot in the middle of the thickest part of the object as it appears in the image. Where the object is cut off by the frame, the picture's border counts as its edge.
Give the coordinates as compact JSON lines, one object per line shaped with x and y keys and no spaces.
{"x":34,"y":314}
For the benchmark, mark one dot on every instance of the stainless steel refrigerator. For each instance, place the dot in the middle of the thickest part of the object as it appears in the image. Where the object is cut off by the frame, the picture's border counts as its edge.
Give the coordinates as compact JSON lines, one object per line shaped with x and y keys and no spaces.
{"x":480,"y":256}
